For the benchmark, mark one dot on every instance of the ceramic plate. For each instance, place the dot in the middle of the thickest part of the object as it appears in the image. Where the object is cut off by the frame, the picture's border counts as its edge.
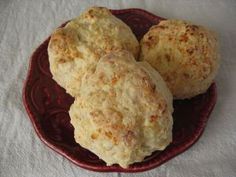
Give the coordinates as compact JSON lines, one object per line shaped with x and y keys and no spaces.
{"x":47,"y":105}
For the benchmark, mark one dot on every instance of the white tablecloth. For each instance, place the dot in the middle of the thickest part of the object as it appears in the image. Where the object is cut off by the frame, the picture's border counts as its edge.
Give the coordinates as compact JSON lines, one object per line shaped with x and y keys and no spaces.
{"x":25,"y":24}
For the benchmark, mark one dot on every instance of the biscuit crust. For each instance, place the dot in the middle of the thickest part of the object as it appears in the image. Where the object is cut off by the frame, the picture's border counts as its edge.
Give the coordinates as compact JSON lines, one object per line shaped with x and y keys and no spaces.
{"x":123,"y":113}
{"x":185,"y":55}
{"x":75,"y":49}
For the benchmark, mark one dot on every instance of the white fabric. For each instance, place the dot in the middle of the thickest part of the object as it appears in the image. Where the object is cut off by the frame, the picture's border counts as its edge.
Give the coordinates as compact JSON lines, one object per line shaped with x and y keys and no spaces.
{"x":25,"y":24}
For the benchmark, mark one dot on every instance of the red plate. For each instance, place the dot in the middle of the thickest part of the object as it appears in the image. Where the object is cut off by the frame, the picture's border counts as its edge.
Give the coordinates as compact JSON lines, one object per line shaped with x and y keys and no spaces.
{"x":47,"y":105}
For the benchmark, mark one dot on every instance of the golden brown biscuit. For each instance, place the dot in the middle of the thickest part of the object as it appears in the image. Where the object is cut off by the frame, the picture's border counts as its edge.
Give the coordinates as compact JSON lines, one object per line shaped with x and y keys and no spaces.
{"x":75,"y":49}
{"x":184,"y":54}
{"x":124,"y":110}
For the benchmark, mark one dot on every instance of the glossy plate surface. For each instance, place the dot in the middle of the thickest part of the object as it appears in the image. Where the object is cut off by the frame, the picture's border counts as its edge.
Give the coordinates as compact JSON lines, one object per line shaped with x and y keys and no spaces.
{"x":47,"y":105}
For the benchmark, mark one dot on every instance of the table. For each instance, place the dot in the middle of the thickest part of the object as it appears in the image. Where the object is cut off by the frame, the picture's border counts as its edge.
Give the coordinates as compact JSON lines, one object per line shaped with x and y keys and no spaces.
{"x":25,"y":24}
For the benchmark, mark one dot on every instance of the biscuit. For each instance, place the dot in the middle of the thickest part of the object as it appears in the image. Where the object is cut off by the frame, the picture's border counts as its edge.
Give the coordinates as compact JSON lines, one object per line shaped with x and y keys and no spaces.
{"x":75,"y":49}
{"x":124,"y":111}
{"x":184,"y":54}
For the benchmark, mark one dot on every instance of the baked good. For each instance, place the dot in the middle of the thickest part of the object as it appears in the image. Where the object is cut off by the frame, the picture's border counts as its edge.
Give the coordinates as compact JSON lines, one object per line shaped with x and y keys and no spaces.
{"x":185,"y":55}
{"x":75,"y":49}
{"x":124,"y":111}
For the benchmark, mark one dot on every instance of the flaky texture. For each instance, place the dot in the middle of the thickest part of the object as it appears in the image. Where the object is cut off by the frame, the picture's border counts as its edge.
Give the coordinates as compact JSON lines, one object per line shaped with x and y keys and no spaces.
{"x":124,"y":110}
{"x":184,"y":54}
{"x":75,"y":49}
